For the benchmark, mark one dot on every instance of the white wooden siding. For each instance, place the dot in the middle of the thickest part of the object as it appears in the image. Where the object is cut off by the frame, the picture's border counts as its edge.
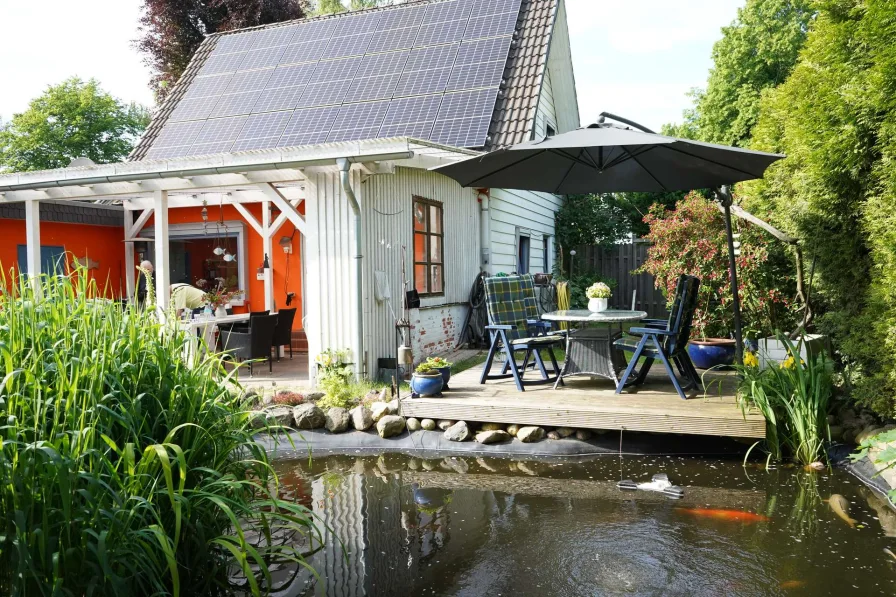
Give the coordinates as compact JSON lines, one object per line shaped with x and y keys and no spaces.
{"x":546,"y":113}
{"x":561,"y":77}
{"x":388,"y":222}
{"x":520,"y":212}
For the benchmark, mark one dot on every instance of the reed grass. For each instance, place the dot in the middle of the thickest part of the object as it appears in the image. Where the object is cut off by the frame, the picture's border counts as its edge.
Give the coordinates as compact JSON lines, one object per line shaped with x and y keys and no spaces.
{"x":795,"y":399}
{"x":122,"y":470}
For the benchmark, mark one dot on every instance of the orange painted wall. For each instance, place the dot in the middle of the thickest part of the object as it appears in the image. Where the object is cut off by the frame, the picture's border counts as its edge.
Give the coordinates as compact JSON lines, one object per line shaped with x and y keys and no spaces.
{"x":255,"y":292}
{"x":101,"y":243}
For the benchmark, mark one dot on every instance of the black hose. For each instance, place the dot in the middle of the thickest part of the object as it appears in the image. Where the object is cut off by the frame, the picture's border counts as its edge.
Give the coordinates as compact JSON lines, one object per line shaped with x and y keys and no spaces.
{"x":473,"y":332}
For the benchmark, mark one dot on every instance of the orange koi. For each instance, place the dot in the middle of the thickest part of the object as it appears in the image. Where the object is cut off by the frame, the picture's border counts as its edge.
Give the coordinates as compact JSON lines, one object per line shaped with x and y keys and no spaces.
{"x":793,"y":584}
{"x":731,"y":515}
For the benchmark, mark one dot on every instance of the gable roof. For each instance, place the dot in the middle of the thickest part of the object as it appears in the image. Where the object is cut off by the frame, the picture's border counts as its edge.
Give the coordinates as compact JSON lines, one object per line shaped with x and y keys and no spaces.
{"x":233,"y":97}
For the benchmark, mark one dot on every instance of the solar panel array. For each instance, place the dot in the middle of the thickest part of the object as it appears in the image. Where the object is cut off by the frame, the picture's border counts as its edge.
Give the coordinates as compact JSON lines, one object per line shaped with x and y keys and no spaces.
{"x":430,"y":71}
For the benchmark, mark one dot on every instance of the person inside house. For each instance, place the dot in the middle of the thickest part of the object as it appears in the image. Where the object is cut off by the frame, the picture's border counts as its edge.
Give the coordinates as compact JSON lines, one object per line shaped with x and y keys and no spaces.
{"x":185,"y":298}
{"x":145,"y":266}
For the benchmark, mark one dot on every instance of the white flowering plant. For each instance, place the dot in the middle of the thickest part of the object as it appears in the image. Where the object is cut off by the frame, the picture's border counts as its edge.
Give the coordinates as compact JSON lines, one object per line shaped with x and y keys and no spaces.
{"x":598,"y":290}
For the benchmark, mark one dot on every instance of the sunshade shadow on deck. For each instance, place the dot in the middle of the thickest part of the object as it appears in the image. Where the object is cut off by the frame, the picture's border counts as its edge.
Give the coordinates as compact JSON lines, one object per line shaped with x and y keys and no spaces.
{"x":592,"y":403}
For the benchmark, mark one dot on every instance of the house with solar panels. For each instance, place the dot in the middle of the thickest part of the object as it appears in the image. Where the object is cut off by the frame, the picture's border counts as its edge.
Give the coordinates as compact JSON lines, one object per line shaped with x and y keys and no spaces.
{"x":292,"y":161}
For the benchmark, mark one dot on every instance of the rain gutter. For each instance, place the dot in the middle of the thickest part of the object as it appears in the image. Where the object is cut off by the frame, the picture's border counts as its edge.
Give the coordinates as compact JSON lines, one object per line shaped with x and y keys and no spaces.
{"x":344,"y":165}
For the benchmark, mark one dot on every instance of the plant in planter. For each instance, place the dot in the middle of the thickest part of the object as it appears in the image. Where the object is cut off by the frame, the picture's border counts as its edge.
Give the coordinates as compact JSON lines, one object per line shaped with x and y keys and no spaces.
{"x":598,"y":294}
{"x":216,"y":298}
{"x":691,"y":240}
{"x":443,"y":366}
{"x":427,"y":380}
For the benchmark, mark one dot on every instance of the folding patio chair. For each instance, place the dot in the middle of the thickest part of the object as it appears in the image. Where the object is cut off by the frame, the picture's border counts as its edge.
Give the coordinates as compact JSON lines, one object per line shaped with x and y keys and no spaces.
{"x":664,"y":342}
{"x":512,"y":331}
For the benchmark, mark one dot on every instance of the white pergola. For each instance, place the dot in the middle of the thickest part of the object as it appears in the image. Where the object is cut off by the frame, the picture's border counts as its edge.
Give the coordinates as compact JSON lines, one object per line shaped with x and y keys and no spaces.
{"x":148,"y":189}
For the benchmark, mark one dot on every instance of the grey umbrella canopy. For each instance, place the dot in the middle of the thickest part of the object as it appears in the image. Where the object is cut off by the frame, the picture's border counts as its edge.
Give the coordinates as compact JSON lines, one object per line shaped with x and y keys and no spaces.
{"x":610,"y":158}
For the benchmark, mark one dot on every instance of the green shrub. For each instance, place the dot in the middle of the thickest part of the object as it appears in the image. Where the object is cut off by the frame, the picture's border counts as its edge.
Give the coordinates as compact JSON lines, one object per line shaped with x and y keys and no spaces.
{"x":882,"y":447}
{"x":122,"y":470}
{"x":794,"y":398}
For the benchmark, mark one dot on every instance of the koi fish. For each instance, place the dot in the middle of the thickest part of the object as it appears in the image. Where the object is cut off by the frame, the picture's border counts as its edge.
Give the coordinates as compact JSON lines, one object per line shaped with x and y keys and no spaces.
{"x":840,"y":507}
{"x":793,"y":584}
{"x":890,"y":553}
{"x":732,"y":515}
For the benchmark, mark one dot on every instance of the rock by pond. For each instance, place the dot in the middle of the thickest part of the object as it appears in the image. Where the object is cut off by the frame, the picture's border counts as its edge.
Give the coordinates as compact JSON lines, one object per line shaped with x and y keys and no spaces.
{"x":308,"y":416}
{"x":459,"y":432}
{"x":390,"y":426}
{"x":493,"y":436}
{"x":530,"y":434}
{"x":379,"y":410}
{"x":428,"y":424}
{"x":362,"y":419}
{"x":414,"y":424}
{"x":337,"y":420}
{"x":444,"y":424}
{"x":512,"y":429}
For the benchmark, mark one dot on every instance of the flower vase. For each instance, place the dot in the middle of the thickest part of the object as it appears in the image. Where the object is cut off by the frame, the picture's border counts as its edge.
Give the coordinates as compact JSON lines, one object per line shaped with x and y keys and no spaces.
{"x":221,"y":311}
{"x":596,"y":305}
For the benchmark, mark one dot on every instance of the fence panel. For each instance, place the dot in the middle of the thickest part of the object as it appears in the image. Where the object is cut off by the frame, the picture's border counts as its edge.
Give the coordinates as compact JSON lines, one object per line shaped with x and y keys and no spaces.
{"x":617,"y":262}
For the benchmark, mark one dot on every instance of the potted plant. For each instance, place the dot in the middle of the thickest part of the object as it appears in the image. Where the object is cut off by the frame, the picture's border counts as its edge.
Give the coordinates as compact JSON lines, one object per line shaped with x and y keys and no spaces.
{"x":443,"y":367}
{"x":598,"y":294}
{"x":691,"y":240}
{"x":427,"y":380}
{"x":216,"y":298}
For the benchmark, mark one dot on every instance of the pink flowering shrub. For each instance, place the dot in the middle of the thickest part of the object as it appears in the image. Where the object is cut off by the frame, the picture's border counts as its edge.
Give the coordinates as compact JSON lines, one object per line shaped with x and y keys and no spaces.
{"x":691,"y":240}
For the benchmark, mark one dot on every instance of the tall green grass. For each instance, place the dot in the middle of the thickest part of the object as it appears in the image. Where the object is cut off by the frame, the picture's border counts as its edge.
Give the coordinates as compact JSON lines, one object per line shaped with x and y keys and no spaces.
{"x":795,"y":399}
{"x":122,"y":470}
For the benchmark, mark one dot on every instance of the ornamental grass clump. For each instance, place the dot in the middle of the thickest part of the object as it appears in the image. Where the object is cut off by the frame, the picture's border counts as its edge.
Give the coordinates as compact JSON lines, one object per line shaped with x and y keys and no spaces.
{"x":122,"y":470}
{"x":794,"y":397}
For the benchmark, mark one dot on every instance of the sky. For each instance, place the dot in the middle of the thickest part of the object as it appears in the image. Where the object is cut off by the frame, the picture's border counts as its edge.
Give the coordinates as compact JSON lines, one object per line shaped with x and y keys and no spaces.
{"x":636,"y":58}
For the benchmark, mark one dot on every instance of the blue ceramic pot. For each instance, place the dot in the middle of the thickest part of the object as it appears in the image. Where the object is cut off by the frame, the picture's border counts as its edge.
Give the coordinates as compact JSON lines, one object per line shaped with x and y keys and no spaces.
{"x":446,"y":376}
{"x":711,"y":353}
{"x":426,"y":385}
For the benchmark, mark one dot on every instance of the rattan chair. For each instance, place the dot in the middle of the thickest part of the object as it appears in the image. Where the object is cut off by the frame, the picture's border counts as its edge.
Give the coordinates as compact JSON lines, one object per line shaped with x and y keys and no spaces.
{"x":253,"y":343}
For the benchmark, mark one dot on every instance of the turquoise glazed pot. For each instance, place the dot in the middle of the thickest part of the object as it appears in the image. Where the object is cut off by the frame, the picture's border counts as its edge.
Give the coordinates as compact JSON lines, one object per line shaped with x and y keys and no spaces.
{"x":711,"y":353}
{"x":427,"y":385}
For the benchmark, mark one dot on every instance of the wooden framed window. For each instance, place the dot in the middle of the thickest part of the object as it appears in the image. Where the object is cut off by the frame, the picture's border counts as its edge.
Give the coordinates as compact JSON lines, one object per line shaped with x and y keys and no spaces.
{"x":429,"y":248}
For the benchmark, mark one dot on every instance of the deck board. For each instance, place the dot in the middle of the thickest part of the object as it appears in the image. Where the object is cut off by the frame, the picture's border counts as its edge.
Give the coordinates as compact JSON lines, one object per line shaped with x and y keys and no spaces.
{"x":592,"y":403}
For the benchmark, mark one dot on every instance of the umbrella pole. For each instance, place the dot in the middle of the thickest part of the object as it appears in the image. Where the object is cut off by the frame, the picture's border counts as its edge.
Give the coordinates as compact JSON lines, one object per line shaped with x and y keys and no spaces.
{"x":723,"y":195}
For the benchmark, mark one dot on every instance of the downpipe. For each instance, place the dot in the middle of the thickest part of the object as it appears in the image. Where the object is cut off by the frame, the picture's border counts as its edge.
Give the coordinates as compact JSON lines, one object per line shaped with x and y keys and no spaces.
{"x":344,"y":166}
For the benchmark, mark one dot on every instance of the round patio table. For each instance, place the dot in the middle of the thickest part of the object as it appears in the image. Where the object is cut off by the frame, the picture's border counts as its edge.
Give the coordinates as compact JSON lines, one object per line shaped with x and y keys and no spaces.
{"x":589,"y":350}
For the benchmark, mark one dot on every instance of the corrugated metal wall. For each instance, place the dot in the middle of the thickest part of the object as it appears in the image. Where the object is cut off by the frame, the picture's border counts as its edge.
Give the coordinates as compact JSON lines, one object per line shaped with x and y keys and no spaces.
{"x":388,"y":226}
{"x":329,"y":288}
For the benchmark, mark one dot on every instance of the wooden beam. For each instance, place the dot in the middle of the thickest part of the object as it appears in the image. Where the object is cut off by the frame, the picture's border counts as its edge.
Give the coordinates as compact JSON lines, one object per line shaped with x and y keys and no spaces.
{"x":129,"y":270}
{"x":285,"y":206}
{"x":162,"y":264}
{"x":134,"y":230}
{"x":32,"y":240}
{"x":250,"y":218}
{"x":268,"y":251}
{"x":745,"y":215}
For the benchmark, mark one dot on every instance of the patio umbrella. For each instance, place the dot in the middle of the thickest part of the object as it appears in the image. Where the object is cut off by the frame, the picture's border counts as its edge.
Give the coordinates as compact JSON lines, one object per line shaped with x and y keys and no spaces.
{"x":612,"y":158}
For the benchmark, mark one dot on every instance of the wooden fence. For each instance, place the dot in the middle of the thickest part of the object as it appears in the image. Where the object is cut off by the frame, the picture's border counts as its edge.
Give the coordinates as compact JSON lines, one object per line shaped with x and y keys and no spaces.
{"x":617,"y":262}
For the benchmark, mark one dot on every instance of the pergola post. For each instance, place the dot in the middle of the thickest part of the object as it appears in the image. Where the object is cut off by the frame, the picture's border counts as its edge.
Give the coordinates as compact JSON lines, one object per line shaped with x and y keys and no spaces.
{"x":268,"y":246}
{"x":162,"y":270}
{"x":129,"y":279}
{"x":32,"y":239}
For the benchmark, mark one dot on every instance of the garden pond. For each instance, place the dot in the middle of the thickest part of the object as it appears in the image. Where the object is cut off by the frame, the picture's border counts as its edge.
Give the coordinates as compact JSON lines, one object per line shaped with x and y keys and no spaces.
{"x":474,"y":526}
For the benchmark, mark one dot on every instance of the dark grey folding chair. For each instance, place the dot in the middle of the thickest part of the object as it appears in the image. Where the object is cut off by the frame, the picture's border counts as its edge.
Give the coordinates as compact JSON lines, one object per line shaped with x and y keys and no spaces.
{"x":668,"y":342}
{"x":253,"y":343}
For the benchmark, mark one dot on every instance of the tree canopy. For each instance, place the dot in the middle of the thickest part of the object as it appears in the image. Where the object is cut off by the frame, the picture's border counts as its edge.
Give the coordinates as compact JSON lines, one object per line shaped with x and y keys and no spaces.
{"x":70,"y":120}
{"x":835,"y":118}
{"x":756,"y":52}
{"x":171,"y":30}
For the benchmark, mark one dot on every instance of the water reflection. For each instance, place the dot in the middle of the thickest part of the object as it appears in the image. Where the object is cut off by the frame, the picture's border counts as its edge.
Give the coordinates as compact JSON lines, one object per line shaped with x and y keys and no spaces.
{"x":401,"y":526}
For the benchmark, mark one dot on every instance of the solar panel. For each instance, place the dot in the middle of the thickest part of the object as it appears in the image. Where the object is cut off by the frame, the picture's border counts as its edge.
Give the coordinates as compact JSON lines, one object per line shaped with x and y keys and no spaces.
{"x":423,"y":82}
{"x":159,"y":153}
{"x":235,"y":104}
{"x":429,"y":71}
{"x":483,"y":50}
{"x":282,"y":98}
{"x":440,"y":33}
{"x":471,"y":76}
{"x":481,"y":9}
{"x":289,"y":76}
{"x":262,"y":58}
{"x":324,"y":94}
{"x":350,"y":45}
{"x":492,"y":25}
{"x":371,"y":88}
{"x":412,"y":110}
{"x":308,"y":51}
{"x":210,"y":148}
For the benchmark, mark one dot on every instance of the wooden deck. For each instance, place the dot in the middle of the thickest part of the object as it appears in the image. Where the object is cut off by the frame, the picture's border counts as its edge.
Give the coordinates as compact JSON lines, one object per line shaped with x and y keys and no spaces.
{"x":592,"y":403}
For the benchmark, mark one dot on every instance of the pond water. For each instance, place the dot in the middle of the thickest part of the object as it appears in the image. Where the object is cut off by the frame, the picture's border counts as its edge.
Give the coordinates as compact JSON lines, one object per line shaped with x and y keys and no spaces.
{"x":468,"y":526}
